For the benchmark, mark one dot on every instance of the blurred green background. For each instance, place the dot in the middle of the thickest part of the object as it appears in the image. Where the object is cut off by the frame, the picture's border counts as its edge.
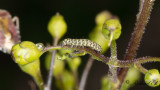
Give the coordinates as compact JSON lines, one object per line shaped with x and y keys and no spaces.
{"x":80,"y":17}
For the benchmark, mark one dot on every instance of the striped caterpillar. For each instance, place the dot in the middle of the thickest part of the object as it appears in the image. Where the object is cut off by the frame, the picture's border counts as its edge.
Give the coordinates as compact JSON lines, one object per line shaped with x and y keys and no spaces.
{"x":81,"y":43}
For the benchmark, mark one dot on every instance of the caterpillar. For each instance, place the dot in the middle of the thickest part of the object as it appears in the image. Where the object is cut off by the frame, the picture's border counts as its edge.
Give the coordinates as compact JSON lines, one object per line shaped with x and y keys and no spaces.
{"x":81,"y":43}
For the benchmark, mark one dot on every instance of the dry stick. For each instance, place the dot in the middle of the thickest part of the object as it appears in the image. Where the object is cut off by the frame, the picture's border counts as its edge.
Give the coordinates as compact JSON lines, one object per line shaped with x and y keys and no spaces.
{"x":85,"y":74}
{"x":49,"y":80}
{"x":141,"y":22}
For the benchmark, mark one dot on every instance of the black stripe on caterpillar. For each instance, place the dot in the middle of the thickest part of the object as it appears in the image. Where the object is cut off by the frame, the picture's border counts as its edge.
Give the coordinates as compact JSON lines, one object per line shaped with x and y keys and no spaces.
{"x":81,"y":43}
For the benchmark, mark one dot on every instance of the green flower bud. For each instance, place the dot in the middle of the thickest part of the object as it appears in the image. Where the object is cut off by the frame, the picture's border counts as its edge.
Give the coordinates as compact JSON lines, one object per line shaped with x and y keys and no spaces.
{"x":101,"y":17}
{"x":152,"y":78}
{"x":111,"y":29}
{"x":106,"y":85}
{"x":58,"y":67}
{"x":57,"y":26}
{"x":131,"y":78}
{"x":74,"y":63}
{"x":67,"y":80}
{"x":25,"y":52}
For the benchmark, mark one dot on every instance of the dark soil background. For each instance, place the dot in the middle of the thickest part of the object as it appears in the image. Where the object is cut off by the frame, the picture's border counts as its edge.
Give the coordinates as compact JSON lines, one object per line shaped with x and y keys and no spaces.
{"x":79,"y":15}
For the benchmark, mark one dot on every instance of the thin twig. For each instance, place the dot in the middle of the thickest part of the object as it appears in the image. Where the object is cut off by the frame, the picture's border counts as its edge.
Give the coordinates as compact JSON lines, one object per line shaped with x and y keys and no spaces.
{"x":141,"y":22}
{"x":49,"y":80}
{"x":85,"y":74}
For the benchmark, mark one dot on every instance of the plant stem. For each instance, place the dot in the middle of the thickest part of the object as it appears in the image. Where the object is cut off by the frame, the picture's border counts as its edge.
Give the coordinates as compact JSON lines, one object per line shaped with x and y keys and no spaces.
{"x":141,"y":22}
{"x":142,"y":69}
{"x":85,"y":74}
{"x":133,"y":63}
{"x":139,"y":30}
{"x":49,"y":80}
{"x":51,"y":48}
{"x":113,"y":50}
{"x":112,"y":69}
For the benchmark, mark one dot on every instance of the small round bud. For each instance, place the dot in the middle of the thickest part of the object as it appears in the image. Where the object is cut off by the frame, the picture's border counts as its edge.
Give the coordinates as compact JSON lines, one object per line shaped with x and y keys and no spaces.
{"x":25,"y":52}
{"x":67,"y":80}
{"x":74,"y":63}
{"x":133,"y":75}
{"x":57,"y":26}
{"x":105,"y":84}
{"x":101,"y":17}
{"x":152,"y":78}
{"x":111,"y":27}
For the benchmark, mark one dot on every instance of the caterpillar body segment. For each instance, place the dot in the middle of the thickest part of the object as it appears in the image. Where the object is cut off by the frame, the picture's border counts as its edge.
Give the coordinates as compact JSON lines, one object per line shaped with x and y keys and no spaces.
{"x":81,"y":43}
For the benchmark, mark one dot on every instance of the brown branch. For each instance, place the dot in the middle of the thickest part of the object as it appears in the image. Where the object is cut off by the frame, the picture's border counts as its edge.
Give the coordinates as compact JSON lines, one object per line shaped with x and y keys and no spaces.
{"x":141,"y":22}
{"x":85,"y":74}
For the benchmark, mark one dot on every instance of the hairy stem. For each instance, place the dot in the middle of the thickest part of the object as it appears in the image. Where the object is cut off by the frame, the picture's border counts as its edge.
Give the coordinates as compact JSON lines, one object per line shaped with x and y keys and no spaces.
{"x":49,"y":80}
{"x":112,"y":69}
{"x":113,"y":50}
{"x":139,"y":29}
{"x":112,"y":75}
{"x":133,"y":63}
{"x":142,"y":69}
{"x":141,"y":22}
{"x":85,"y":74}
